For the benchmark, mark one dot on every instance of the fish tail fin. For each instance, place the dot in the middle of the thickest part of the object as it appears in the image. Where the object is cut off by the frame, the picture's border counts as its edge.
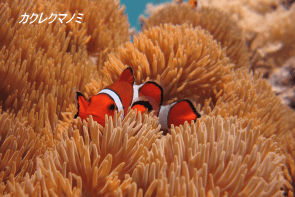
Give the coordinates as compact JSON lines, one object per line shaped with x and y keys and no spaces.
{"x":179,"y":112}
{"x":81,"y":103}
{"x":127,"y":76}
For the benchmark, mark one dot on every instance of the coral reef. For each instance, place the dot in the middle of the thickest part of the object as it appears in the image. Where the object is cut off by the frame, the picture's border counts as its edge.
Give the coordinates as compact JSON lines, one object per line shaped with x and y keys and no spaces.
{"x":267,"y":27}
{"x":282,"y":80}
{"x":243,"y":145}
{"x":250,"y":97}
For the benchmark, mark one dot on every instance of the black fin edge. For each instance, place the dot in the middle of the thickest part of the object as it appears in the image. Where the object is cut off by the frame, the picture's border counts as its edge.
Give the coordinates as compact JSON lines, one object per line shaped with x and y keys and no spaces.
{"x":193,"y":107}
{"x":160,"y":87}
{"x":76,"y":95}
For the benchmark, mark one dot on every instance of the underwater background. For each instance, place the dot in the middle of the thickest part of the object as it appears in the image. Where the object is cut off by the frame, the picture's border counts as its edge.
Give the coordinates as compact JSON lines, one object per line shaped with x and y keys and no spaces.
{"x":234,"y":59}
{"x":136,"y":8}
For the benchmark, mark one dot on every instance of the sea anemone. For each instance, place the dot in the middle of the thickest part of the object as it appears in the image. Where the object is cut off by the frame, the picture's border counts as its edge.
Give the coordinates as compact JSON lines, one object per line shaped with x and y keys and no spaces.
{"x":20,"y":146}
{"x":92,"y":159}
{"x":288,"y":148}
{"x":223,"y":28}
{"x":104,"y":31}
{"x":212,"y":157}
{"x":185,"y":61}
{"x":39,"y":67}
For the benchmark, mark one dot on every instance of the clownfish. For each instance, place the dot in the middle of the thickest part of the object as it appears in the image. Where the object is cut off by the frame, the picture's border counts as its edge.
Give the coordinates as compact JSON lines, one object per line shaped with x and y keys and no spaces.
{"x":117,"y":96}
{"x":176,"y":113}
{"x":194,"y":3}
{"x":145,"y":97}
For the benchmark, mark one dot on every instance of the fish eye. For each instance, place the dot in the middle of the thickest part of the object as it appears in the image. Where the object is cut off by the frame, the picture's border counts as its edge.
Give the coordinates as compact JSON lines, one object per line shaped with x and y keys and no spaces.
{"x":112,"y":107}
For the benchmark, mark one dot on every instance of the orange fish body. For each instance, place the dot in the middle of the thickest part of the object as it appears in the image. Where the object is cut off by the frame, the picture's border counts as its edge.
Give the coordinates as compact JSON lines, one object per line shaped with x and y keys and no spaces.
{"x":147,"y":97}
{"x":117,"y":96}
{"x":177,"y":113}
{"x":194,"y":3}
{"x":150,"y":97}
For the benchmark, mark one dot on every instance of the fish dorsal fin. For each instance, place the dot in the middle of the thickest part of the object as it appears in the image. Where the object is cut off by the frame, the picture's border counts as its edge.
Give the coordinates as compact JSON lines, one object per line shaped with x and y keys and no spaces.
{"x":194,"y":3}
{"x":127,"y":76}
{"x":152,"y":90}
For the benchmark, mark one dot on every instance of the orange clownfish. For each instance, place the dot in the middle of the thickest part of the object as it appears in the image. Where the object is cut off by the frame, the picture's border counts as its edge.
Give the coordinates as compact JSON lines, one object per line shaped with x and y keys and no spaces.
{"x":176,"y":113}
{"x":117,"y":96}
{"x":147,"y":96}
{"x":194,"y":3}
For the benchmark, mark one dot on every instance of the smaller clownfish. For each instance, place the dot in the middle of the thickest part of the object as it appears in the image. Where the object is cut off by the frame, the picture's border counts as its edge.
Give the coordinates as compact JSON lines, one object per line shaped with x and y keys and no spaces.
{"x":151,"y":98}
{"x":194,"y":3}
{"x":177,"y":113}
{"x":147,"y":97}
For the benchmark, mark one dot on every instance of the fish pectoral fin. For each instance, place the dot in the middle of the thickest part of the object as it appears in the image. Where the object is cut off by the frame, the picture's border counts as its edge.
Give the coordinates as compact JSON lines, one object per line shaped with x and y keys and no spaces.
{"x":142,"y":106}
